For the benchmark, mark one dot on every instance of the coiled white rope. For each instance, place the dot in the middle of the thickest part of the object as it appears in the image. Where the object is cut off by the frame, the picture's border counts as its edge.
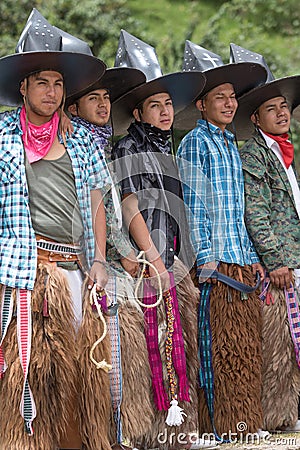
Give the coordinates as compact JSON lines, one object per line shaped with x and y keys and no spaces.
{"x":142,"y":260}
{"x":94,"y":301}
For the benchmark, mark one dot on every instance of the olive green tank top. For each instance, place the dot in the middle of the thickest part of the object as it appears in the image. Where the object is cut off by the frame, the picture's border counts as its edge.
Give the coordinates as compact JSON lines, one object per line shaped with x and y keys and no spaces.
{"x":53,"y":200}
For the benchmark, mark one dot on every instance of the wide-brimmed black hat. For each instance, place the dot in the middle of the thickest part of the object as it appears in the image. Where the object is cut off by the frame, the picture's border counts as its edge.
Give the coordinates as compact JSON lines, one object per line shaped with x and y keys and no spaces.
{"x":242,"y":76}
{"x":117,"y":80}
{"x":287,"y":87}
{"x":44,"y":47}
{"x":182,"y":87}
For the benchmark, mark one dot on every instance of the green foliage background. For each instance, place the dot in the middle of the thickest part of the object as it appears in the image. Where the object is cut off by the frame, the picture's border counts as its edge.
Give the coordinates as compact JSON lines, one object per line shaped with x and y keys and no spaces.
{"x":271,"y":28}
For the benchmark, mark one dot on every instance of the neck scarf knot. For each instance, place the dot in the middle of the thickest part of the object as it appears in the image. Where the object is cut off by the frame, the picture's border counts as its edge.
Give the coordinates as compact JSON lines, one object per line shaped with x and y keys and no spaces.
{"x":101,"y":134}
{"x":286,"y":147}
{"x":159,"y":138}
{"x":38,"y":139}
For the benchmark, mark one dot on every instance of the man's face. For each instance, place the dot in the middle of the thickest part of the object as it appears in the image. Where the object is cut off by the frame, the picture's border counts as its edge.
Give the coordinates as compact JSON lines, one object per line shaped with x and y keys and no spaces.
{"x":93,"y":107}
{"x":43,"y":95}
{"x":157,"y":111}
{"x":273,"y":116}
{"x":219,"y":105}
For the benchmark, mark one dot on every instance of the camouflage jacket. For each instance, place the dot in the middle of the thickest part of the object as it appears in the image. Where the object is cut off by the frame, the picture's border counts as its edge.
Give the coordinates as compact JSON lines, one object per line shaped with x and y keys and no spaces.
{"x":271,"y":215}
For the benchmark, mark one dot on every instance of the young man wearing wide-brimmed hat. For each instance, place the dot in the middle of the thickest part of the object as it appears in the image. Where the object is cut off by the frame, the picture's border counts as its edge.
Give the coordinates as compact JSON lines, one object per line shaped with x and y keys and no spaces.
{"x":130,"y":393}
{"x":53,"y":225}
{"x":154,"y":214}
{"x":273,"y":220}
{"x":229,"y":314}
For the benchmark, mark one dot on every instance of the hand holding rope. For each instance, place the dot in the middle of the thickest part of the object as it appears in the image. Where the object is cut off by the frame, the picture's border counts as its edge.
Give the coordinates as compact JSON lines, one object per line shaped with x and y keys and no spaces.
{"x":142,"y":260}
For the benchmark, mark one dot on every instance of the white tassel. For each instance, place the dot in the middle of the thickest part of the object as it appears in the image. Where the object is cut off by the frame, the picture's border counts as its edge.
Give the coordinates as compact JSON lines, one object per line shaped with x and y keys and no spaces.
{"x":175,"y":414}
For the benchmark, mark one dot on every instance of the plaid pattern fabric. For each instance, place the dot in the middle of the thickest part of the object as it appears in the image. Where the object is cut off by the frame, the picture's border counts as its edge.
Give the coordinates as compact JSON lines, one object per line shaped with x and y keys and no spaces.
{"x":206,"y":375}
{"x":178,"y":353}
{"x":6,"y":313}
{"x":18,"y":254}
{"x":292,"y":303}
{"x":151,"y":333}
{"x":115,"y":374}
{"x":206,"y":372}
{"x":140,"y":165}
{"x":213,"y":191}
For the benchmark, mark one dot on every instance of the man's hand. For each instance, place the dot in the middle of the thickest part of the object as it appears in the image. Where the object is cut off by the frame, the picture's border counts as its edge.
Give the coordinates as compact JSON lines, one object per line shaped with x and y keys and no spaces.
{"x":163,"y":274}
{"x":281,"y":277}
{"x":98,"y":275}
{"x":130,"y":264}
{"x":257,"y":267}
{"x":65,"y":126}
{"x":212,"y":266}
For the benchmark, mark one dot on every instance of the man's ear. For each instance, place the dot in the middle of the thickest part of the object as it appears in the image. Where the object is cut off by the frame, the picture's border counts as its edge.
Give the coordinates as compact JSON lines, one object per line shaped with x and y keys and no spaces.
{"x":22,"y":88}
{"x":136,"y":114}
{"x":73,"y":109}
{"x":200,"y":105}
{"x":254,"y":118}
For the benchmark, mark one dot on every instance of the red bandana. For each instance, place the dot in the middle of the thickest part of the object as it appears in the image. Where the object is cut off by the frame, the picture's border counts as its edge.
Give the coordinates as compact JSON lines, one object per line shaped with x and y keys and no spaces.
{"x":286,"y":147}
{"x":37,"y":140}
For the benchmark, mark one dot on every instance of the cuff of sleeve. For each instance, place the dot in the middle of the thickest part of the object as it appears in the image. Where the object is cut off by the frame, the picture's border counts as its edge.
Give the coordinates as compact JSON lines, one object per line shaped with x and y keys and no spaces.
{"x":273,"y":263}
{"x":204,"y":256}
{"x":254,"y":258}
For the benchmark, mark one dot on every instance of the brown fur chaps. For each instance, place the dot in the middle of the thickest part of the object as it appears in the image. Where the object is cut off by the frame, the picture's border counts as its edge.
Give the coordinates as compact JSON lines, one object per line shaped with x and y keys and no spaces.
{"x":281,"y":375}
{"x":236,"y":358}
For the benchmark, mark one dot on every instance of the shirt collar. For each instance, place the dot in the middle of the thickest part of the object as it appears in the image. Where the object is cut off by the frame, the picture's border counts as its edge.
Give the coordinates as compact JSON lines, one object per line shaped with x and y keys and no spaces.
{"x":216,"y":130}
{"x":269,"y":141}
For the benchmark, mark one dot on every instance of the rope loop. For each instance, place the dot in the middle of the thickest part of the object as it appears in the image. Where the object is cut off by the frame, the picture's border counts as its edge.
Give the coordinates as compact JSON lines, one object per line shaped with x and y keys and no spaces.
{"x":142,"y":260}
{"x":94,"y":301}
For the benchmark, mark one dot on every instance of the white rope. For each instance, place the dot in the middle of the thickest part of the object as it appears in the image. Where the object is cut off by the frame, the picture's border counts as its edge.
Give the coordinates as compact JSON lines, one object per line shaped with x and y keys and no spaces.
{"x":142,"y":260}
{"x":99,"y":364}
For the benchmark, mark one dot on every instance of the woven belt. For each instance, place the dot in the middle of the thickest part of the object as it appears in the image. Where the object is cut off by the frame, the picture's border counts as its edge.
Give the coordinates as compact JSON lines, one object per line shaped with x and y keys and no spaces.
{"x":58,"y":248}
{"x":206,"y":273}
{"x":56,"y":253}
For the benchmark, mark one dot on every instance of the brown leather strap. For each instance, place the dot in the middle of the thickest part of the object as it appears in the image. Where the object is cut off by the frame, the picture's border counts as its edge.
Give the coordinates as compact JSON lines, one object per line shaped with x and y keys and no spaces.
{"x":47,"y":256}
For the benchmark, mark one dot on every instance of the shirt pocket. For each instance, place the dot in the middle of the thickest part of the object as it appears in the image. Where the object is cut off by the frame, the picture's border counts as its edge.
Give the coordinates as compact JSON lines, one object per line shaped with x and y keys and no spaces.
{"x":9,"y":168}
{"x":277,"y":184}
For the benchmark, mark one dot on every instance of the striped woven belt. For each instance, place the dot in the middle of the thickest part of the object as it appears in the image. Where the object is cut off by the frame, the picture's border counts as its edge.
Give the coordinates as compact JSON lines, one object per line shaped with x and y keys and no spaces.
{"x":56,"y":247}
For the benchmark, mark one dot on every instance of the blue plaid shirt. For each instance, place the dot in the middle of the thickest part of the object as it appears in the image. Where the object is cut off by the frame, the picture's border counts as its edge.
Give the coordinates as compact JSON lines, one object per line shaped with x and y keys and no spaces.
{"x":18,"y":252}
{"x":213,"y":191}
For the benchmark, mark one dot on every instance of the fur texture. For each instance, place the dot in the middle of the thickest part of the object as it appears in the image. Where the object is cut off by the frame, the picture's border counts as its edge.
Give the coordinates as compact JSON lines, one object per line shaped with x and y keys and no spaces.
{"x":136,"y":408}
{"x":52,"y":371}
{"x":236,"y":357}
{"x":94,"y":390}
{"x":281,"y":375}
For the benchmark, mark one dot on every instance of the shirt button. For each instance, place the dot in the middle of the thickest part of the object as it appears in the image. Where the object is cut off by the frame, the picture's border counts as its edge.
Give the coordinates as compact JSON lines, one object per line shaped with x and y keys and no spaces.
{"x":171,"y":249}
